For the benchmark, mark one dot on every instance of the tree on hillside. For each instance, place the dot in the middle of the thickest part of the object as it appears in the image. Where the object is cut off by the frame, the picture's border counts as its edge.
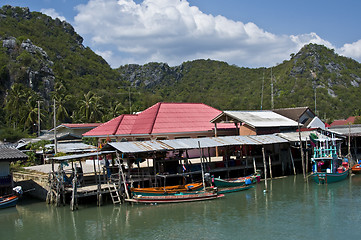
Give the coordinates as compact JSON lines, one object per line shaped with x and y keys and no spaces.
{"x":90,"y":108}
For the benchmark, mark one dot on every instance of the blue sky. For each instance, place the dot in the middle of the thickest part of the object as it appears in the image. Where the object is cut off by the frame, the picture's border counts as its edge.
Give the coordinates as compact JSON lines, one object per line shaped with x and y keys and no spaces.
{"x":258,"y":33}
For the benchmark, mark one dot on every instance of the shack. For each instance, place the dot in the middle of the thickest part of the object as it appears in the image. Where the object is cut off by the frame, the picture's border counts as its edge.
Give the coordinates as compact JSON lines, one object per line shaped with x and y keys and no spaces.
{"x":7,"y":155}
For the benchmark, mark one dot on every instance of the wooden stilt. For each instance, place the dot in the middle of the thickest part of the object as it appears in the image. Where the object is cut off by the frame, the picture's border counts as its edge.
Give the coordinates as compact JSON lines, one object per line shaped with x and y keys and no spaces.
{"x":265,"y":168}
{"x":301,"y":149}
{"x":270,"y":166}
{"x":293,"y":162}
{"x":254,"y":165}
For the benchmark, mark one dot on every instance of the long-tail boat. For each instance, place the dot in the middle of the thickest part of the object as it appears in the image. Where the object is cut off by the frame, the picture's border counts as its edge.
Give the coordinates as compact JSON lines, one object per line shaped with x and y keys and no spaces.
{"x":234,"y":189}
{"x":327,"y":167}
{"x":8,"y":201}
{"x":356,"y":168}
{"x":168,"y":190}
{"x":236,"y":182}
{"x":176,"y":198}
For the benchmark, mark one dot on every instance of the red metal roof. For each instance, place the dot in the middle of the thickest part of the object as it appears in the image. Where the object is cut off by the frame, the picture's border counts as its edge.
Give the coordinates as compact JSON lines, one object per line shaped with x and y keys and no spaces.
{"x":343,"y":121}
{"x":162,"y":118}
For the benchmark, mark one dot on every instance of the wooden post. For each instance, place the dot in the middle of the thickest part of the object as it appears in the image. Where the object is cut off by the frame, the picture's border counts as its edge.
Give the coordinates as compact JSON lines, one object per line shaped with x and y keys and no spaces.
{"x":306,"y":156}
{"x":265,"y":168}
{"x":301,"y":148}
{"x":293,"y":163}
{"x":74,"y":200}
{"x":270,"y":166}
{"x":216,"y":135}
{"x":254,"y":165}
{"x":200,"y":152}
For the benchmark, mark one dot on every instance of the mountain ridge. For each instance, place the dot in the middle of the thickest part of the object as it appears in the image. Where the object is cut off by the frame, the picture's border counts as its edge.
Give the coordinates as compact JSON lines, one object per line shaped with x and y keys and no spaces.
{"x":45,"y":59}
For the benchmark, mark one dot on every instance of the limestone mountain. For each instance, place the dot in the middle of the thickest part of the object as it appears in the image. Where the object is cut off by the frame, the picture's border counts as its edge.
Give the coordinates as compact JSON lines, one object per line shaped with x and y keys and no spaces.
{"x":42,"y":58}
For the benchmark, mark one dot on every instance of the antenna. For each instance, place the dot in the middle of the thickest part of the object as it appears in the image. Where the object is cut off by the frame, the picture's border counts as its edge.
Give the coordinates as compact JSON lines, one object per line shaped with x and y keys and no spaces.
{"x":315,"y":102}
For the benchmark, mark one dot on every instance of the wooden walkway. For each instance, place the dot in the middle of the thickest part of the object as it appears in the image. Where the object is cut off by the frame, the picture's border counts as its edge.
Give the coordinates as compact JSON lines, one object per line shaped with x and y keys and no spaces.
{"x":91,"y":190}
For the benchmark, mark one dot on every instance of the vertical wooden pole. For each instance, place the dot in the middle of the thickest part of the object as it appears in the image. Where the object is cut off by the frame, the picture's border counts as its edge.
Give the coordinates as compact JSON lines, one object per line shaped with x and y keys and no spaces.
{"x":254,"y":165}
{"x":306,"y":155}
{"x":216,"y":135}
{"x":265,"y":168}
{"x":270,"y":166}
{"x":301,"y":148}
{"x":293,"y":162}
{"x":200,"y":153}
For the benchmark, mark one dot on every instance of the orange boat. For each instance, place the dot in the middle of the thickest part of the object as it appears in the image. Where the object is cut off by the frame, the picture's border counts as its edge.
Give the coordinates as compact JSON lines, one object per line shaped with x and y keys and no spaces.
{"x":356,"y":168}
{"x":167,"y":190}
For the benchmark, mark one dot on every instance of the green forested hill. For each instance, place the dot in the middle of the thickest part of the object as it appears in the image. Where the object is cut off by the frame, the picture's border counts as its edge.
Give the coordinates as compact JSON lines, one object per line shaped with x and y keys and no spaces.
{"x":42,"y":59}
{"x":315,"y":72}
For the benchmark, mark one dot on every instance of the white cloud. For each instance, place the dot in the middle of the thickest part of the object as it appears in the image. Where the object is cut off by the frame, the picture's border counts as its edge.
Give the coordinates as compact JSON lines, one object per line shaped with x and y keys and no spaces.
{"x":172,"y":31}
{"x":352,"y":50}
{"x":52,"y":13}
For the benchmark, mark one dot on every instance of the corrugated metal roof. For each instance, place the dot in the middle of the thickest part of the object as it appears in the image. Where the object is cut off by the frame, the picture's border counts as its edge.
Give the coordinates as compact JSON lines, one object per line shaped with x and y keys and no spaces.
{"x":352,"y":130}
{"x":262,"y":118}
{"x":294,"y":136}
{"x":236,"y":140}
{"x":79,"y":156}
{"x":11,"y":154}
{"x":192,"y":143}
{"x":137,"y":146}
{"x":268,"y":139}
{"x":72,"y":147}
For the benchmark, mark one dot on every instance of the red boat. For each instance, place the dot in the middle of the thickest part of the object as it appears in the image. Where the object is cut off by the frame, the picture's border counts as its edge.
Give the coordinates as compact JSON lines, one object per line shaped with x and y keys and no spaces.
{"x":356,"y":168}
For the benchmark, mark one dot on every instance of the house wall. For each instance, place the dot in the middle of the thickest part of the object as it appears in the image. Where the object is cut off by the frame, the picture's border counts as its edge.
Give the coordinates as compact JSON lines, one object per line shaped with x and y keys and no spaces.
{"x":246,"y":130}
{"x":4,"y":169}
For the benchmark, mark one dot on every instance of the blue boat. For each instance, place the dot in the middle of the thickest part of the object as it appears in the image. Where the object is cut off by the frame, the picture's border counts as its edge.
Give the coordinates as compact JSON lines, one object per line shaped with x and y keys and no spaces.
{"x":8,"y":201}
{"x":234,"y":189}
{"x":327,"y":167}
{"x":236,"y":182}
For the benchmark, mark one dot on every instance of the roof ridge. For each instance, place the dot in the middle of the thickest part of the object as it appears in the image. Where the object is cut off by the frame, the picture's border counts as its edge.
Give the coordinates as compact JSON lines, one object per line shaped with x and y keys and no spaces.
{"x":155,"y":117}
{"x":116,"y":128}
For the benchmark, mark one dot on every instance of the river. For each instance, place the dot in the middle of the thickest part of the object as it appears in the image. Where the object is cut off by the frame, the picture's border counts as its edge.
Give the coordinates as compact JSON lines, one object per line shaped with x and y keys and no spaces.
{"x":291,"y":209}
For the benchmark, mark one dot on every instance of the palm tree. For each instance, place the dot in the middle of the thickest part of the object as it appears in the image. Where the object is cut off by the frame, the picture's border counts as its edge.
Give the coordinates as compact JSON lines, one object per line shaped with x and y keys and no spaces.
{"x":90,"y":108}
{"x":13,"y":103}
{"x":61,"y":99}
{"x":114,"y":109}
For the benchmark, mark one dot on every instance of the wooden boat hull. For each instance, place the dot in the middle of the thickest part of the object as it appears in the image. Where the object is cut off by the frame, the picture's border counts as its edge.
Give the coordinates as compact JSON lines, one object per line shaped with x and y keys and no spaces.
{"x":6,"y":202}
{"x":168,"y":190}
{"x":323,"y":178}
{"x":356,"y":169}
{"x":235,"y":182}
{"x":234,"y":189}
{"x":177,"y":198}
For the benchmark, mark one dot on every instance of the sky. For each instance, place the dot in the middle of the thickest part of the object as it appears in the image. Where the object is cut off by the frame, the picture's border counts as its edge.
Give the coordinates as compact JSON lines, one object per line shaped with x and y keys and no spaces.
{"x":246,"y":33}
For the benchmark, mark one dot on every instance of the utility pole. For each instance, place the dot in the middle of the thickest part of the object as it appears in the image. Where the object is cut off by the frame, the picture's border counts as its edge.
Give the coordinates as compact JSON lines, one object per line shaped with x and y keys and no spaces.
{"x":262,"y":90}
{"x":272,"y":103}
{"x":130,"y":103}
{"x":55,"y":141}
{"x":315,"y":102}
{"x":38,"y":118}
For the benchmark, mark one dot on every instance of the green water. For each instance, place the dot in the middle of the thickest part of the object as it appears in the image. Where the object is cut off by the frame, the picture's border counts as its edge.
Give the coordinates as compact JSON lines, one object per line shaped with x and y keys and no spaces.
{"x":292,"y":209}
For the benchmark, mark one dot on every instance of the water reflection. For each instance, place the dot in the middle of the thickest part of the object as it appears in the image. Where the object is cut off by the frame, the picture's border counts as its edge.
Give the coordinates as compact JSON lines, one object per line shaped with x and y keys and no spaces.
{"x":291,"y":209}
